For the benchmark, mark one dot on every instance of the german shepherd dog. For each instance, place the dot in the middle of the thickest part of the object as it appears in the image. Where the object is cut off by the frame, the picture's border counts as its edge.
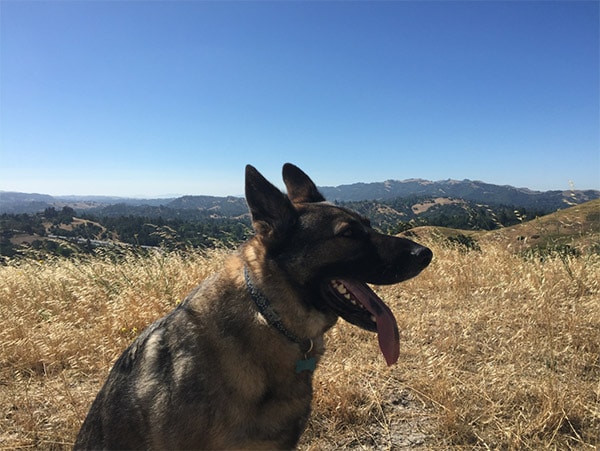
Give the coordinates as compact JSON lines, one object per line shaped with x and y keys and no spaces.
{"x":231,"y":367}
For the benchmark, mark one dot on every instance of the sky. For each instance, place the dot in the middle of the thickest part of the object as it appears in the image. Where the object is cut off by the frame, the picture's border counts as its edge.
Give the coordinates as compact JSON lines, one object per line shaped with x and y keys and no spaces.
{"x":161,"y":98}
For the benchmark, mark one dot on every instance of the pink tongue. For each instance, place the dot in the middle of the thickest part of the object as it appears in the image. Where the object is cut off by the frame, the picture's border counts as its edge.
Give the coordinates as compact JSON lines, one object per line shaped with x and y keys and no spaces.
{"x":387,"y":329}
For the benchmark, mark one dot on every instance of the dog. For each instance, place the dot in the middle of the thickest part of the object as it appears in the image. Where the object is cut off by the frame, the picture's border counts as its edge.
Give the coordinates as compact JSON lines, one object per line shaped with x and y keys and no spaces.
{"x":231,"y":367}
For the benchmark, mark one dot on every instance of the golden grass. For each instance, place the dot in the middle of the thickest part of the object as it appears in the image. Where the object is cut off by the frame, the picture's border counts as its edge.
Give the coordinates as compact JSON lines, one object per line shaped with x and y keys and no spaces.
{"x":496,"y":351}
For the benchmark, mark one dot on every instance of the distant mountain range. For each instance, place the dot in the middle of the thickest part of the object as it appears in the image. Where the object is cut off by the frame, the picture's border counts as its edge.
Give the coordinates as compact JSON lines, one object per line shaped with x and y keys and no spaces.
{"x":474,"y":191}
{"x":468,"y":190}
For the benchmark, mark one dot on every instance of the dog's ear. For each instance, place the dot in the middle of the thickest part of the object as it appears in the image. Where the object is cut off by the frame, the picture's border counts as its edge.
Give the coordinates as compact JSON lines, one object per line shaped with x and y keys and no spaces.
{"x":273,"y":215}
{"x":300,"y":187}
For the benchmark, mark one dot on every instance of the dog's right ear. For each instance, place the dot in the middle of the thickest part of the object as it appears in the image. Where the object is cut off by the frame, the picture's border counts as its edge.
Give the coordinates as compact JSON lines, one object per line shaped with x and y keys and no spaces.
{"x":273,"y":215}
{"x":299,"y":186}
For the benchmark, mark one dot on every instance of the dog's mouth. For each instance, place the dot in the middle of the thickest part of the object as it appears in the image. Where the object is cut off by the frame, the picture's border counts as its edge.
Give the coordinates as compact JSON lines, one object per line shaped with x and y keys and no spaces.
{"x":358,"y":304}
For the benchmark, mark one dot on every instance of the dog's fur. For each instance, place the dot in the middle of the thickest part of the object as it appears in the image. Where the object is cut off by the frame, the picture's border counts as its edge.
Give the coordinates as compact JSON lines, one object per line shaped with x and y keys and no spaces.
{"x":215,"y":372}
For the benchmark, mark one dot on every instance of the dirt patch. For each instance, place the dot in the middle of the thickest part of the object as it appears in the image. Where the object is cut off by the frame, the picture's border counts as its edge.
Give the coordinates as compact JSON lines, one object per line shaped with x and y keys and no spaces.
{"x":424,"y":206}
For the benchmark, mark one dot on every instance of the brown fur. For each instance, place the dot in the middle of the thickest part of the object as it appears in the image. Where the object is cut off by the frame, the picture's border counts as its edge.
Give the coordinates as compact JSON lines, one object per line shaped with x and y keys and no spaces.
{"x":214,"y":374}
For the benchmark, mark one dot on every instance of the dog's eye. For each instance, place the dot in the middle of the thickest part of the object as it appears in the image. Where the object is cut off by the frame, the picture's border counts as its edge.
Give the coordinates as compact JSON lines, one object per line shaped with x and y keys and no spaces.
{"x":351,"y":232}
{"x":348,"y":233}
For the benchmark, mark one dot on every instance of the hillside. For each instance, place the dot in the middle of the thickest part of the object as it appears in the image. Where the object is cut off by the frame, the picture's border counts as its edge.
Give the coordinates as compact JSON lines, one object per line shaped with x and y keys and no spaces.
{"x":382,"y":192}
{"x":475,"y":191}
{"x":575,"y":229}
{"x":486,"y":331}
{"x":497,"y":351}
{"x":19,"y":203}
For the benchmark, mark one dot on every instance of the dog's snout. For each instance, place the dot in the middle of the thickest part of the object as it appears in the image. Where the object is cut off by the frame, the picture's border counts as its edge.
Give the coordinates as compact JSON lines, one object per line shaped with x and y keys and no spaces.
{"x":423,"y":255}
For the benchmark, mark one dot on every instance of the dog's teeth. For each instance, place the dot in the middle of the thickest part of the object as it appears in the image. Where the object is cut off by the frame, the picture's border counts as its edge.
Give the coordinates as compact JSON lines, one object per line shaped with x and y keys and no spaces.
{"x":341,"y":289}
{"x":373,"y":318}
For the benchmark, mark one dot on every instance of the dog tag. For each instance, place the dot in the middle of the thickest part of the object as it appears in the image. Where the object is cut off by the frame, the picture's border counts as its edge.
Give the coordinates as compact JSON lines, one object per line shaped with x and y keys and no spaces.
{"x":306,"y":365}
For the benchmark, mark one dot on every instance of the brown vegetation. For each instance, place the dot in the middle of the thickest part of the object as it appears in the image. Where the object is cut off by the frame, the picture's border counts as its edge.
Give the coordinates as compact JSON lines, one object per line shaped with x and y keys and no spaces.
{"x":424,"y":206}
{"x":498,"y":350}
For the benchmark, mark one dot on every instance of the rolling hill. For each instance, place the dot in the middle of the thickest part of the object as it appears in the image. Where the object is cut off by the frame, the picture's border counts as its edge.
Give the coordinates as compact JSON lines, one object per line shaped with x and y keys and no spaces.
{"x":230,"y":206}
{"x":575,"y":229}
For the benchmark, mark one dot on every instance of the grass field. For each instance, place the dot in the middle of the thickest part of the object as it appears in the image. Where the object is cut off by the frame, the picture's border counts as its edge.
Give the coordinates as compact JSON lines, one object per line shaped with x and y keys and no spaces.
{"x":498,"y":351}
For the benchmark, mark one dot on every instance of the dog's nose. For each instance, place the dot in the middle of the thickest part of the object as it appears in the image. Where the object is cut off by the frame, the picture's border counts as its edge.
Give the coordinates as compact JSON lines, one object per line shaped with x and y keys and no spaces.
{"x":423,"y":255}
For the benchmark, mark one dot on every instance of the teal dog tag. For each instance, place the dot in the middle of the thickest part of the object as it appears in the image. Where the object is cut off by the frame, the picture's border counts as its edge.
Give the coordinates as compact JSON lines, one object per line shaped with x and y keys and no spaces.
{"x":306,"y":365}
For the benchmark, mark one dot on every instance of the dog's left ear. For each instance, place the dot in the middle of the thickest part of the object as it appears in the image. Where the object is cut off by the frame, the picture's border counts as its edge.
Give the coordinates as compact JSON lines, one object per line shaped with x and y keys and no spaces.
{"x":273,"y":215}
{"x":300,"y":188}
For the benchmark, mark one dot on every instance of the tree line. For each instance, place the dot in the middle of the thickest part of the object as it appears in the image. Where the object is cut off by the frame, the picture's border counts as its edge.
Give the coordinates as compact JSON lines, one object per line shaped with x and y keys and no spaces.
{"x":64,"y":231}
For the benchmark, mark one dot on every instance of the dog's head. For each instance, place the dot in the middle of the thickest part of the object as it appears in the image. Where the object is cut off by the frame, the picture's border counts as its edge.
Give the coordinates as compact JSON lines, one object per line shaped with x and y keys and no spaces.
{"x":332,"y":252}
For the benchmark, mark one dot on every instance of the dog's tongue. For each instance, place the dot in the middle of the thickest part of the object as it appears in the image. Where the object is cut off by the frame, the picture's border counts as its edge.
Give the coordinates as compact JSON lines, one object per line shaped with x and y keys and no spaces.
{"x":387,"y":329}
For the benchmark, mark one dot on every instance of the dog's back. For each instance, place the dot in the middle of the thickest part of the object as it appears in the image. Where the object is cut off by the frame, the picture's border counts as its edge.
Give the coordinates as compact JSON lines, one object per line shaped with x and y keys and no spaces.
{"x":194,"y":379}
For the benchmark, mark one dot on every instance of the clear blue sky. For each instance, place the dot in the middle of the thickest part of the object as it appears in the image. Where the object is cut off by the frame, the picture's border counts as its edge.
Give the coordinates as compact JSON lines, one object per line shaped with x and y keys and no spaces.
{"x":165,"y":97}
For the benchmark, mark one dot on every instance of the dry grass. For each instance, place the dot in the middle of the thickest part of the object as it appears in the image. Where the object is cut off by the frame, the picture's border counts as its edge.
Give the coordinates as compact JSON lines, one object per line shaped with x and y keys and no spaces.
{"x":497,"y":351}
{"x":62,"y":325}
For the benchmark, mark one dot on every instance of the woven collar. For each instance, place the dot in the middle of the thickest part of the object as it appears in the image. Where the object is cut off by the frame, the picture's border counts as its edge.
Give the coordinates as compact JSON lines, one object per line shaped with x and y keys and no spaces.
{"x":272,"y":317}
